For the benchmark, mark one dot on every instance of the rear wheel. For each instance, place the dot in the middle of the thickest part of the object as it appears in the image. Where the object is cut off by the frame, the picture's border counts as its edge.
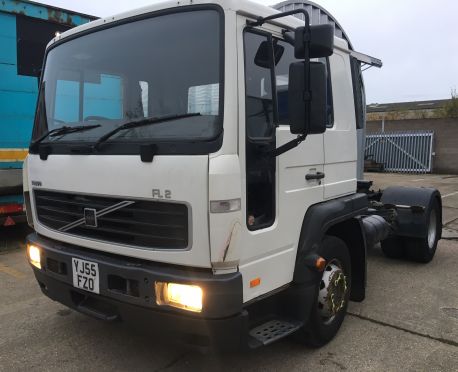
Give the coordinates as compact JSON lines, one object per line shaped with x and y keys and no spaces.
{"x":424,"y":249}
{"x":417,"y":249}
{"x":393,"y":247}
{"x":332,"y":295}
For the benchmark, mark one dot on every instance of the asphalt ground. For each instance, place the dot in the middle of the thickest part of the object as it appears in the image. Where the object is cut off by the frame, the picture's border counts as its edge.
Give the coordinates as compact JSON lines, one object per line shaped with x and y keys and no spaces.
{"x":408,"y":322}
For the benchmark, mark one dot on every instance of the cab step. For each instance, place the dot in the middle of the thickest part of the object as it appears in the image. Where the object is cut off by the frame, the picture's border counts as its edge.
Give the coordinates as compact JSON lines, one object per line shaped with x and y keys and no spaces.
{"x":274,"y":330}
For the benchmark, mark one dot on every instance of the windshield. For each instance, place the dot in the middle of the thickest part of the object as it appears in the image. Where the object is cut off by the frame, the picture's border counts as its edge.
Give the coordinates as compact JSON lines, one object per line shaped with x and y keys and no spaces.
{"x":166,"y":65}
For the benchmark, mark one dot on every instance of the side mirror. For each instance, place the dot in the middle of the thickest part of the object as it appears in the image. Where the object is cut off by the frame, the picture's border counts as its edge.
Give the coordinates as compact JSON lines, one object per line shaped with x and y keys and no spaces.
{"x":321,"y":41}
{"x":301,"y":121}
{"x":263,"y":57}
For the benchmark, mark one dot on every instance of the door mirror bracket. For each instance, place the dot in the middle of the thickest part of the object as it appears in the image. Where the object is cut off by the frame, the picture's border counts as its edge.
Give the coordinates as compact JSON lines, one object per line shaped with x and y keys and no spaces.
{"x":307,"y":80}
{"x":289,"y":145}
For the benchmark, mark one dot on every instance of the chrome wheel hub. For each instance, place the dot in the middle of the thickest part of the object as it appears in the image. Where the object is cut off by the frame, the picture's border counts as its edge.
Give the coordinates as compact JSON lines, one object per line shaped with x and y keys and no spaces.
{"x":333,"y":290}
{"x":432,"y":229}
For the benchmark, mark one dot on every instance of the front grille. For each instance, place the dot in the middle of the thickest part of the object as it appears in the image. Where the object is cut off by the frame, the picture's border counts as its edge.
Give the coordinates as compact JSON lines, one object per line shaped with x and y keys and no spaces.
{"x":142,"y":223}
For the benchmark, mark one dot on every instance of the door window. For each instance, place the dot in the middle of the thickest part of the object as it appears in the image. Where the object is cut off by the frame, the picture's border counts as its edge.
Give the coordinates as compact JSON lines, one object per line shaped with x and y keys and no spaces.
{"x":260,"y":130}
{"x":358,"y":93}
{"x":259,"y":103}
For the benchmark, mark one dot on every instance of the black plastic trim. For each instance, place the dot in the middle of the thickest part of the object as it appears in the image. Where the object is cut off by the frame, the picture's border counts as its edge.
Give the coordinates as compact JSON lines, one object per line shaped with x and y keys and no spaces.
{"x":318,"y":219}
{"x":223,"y":293}
{"x":226,"y":334}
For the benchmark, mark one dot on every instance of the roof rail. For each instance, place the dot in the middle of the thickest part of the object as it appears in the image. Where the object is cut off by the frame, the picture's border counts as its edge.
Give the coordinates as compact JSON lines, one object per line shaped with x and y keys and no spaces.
{"x":319,"y":15}
{"x":366,"y":59}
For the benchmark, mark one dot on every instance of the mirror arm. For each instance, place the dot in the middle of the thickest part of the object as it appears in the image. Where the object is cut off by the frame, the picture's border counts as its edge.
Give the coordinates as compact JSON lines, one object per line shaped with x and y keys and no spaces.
{"x":287,"y":35}
{"x":307,"y":86}
{"x":261,"y":20}
{"x":289,"y":145}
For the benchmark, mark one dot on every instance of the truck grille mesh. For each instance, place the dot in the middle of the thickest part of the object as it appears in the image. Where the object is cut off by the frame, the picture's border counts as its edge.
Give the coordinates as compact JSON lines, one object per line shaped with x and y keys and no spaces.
{"x":142,"y":223}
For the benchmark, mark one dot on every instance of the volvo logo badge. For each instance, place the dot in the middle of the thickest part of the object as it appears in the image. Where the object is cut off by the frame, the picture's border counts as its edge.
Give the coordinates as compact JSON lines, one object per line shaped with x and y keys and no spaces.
{"x":90,"y":217}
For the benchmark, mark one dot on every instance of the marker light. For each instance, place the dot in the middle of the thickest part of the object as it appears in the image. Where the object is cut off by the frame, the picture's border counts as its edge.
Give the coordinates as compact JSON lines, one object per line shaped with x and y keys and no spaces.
{"x":320,"y":264}
{"x":255,"y":282}
{"x":34,"y":255}
{"x":182,"y":296}
{"x":225,"y":206}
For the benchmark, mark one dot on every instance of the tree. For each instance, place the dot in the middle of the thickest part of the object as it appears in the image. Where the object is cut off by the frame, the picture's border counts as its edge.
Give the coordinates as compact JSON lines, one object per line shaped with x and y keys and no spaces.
{"x":450,"y":109}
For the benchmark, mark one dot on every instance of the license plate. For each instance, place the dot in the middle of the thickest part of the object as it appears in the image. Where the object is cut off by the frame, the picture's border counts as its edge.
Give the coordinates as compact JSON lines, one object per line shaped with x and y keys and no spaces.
{"x":85,"y":275}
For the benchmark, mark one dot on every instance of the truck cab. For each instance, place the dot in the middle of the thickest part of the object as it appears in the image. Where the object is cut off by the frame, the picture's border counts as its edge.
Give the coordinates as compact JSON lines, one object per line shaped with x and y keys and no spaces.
{"x":168,"y":187}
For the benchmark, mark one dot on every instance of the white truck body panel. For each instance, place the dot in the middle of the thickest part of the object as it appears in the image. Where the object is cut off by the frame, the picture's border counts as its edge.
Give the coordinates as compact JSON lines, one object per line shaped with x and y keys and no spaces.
{"x":222,"y":241}
{"x":126,"y":176}
{"x":340,"y":146}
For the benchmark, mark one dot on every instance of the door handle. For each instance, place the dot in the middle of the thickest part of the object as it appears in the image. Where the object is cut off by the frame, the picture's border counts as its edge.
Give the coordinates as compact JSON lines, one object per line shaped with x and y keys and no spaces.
{"x":314,"y":176}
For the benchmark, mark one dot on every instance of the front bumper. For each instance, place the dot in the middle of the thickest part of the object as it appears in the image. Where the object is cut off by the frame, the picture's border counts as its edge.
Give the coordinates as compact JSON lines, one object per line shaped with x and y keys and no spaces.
{"x":127,"y":293}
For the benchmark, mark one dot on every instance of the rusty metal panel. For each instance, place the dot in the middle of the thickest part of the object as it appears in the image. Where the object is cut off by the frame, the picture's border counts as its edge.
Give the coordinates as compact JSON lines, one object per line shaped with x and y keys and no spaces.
{"x":44,"y":12}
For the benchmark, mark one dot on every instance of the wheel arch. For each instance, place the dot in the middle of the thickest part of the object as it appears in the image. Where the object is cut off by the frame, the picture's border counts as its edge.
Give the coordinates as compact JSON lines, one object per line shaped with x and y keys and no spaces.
{"x":351,"y":232}
{"x":339,"y":218}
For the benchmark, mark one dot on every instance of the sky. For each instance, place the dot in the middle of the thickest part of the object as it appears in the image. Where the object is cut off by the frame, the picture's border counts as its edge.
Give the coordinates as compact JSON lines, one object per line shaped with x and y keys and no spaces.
{"x":416,"y":40}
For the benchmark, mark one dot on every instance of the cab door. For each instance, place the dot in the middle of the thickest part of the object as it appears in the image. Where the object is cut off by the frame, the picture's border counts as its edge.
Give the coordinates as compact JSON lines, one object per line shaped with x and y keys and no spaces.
{"x":277,"y":191}
{"x":340,"y":139}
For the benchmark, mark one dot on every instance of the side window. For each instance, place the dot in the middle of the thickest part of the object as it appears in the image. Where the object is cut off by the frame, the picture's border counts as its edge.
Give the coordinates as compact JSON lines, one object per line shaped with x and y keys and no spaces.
{"x":358,"y":93}
{"x":260,"y":130}
{"x":259,"y":101}
{"x":329,"y":100}
{"x":282,"y":75}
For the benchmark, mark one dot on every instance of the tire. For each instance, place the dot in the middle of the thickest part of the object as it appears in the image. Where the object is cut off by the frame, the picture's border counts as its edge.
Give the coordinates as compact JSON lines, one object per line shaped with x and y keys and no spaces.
{"x":393,"y":247}
{"x":423,"y":249}
{"x":319,"y":330}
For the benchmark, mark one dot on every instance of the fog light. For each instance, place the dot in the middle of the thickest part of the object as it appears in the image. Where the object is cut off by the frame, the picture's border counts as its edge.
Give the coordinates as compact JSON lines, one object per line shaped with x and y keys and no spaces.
{"x":183,"y":296}
{"x":34,"y":254}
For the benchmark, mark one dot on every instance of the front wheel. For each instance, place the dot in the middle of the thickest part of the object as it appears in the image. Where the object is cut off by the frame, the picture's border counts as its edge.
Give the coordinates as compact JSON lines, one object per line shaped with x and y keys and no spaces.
{"x":332,"y":295}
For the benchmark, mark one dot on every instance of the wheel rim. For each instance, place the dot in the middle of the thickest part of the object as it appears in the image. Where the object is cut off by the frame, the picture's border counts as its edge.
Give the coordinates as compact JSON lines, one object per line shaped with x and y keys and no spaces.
{"x":432,"y":229}
{"x":333,"y":291}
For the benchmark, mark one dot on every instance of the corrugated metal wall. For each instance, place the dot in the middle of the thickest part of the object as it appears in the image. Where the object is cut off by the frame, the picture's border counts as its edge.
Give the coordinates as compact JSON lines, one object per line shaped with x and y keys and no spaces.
{"x":18,"y":93}
{"x":318,"y":15}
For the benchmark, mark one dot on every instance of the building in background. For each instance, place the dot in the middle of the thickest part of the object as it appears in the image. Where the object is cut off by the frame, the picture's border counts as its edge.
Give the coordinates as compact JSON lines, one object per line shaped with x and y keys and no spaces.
{"x":26,"y":28}
{"x":396,"y":135}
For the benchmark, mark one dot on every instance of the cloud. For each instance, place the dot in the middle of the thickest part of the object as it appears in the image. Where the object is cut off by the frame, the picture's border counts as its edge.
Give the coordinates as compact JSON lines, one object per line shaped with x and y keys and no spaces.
{"x":417,"y":42}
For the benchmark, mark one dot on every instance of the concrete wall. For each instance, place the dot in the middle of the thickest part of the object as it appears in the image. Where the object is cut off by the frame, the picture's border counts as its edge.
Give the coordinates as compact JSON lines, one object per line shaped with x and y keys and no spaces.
{"x":445,"y":160}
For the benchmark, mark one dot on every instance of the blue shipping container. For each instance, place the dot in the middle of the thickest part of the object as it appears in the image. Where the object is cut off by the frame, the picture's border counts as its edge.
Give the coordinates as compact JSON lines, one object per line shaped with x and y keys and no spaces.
{"x":26,"y":27}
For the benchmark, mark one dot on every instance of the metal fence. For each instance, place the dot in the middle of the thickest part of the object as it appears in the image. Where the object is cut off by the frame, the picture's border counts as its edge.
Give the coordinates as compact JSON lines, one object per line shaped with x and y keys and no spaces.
{"x":404,"y":152}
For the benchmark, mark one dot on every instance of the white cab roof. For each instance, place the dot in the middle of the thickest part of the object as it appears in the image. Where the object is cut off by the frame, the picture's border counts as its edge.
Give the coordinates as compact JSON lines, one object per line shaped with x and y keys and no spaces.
{"x":245,"y":7}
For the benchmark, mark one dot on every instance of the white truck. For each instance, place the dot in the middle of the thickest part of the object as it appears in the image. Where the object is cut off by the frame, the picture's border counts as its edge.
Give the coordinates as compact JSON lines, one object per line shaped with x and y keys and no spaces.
{"x":193,"y":170}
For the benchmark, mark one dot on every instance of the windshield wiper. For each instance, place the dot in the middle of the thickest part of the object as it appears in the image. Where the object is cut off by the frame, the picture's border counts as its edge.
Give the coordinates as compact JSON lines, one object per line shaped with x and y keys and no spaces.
{"x":60,"y":131}
{"x":140,"y":123}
